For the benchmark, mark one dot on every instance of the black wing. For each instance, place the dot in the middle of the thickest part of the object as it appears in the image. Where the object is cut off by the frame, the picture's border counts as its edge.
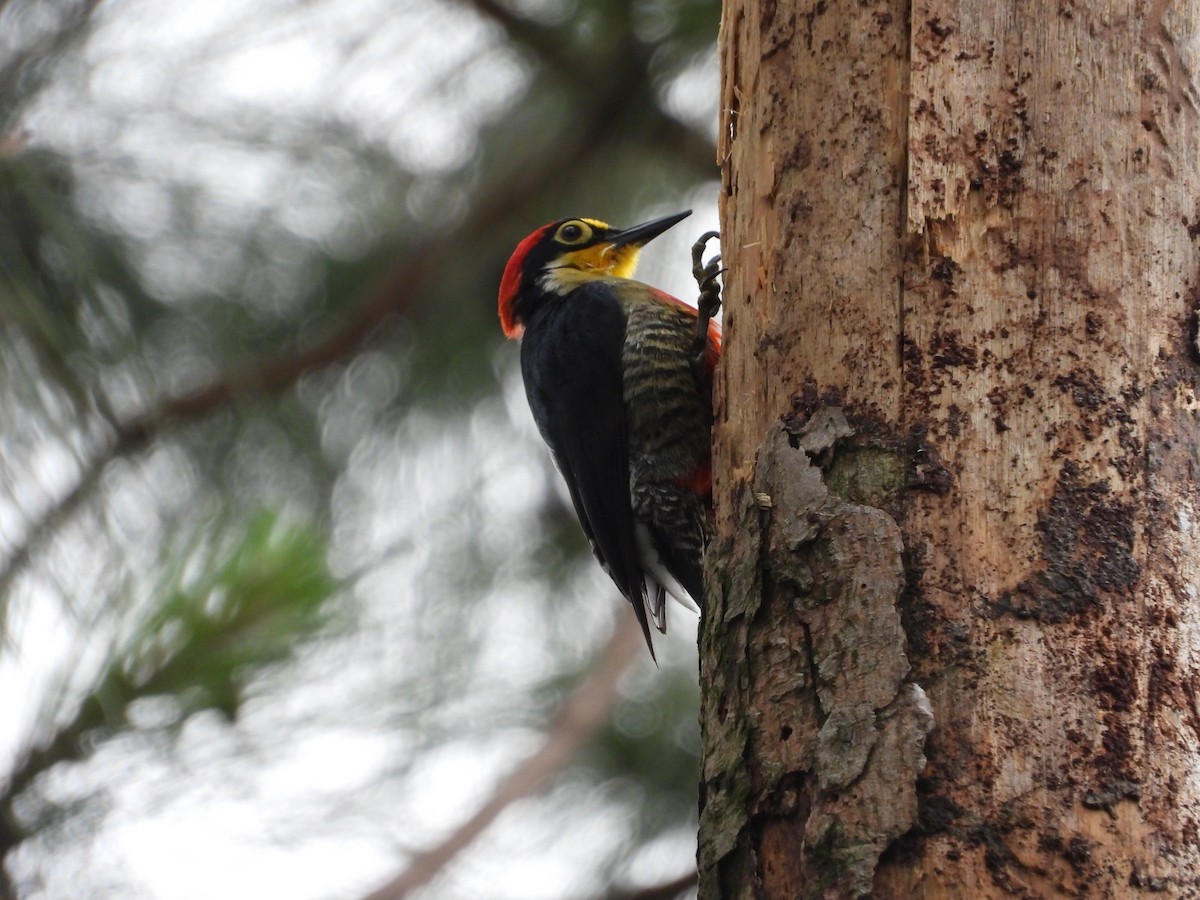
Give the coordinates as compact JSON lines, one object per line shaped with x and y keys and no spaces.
{"x":571,"y":365}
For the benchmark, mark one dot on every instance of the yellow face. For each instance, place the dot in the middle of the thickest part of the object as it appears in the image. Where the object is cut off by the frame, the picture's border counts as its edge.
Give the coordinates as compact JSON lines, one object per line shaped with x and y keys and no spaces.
{"x":595,"y":255}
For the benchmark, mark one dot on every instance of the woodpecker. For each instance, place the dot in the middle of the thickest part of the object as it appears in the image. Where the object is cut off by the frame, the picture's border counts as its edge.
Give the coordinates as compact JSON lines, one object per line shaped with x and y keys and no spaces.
{"x":618,"y":376}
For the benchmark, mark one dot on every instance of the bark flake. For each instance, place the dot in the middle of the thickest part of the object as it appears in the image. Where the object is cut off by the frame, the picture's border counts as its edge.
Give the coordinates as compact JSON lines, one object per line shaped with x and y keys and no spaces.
{"x":829,"y":766}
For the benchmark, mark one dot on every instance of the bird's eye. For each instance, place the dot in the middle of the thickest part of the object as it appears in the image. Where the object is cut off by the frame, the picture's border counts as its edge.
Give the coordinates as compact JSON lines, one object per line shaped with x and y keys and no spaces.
{"x":573,"y":233}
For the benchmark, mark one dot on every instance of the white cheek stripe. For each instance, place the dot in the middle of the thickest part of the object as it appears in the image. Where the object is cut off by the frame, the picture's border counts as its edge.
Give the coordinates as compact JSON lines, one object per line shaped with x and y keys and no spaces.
{"x":560,"y":279}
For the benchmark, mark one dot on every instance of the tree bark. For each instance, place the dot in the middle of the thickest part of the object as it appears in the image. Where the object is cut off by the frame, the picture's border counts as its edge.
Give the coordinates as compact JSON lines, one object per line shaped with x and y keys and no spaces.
{"x":956,"y":440}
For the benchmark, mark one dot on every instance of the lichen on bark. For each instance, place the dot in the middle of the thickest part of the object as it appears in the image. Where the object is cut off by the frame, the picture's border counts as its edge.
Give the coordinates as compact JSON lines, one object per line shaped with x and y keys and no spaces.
{"x":802,"y":628}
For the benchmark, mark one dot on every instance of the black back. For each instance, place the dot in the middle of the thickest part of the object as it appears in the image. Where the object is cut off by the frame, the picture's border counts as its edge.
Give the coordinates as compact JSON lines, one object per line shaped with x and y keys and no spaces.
{"x":571,"y":364}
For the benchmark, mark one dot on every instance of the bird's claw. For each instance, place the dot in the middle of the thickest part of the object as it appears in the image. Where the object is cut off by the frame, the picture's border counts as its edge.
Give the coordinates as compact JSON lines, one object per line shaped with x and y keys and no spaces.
{"x":700,"y":271}
{"x":709,"y":301}
{"x":710,"y":289}
{"x":706,"y":275}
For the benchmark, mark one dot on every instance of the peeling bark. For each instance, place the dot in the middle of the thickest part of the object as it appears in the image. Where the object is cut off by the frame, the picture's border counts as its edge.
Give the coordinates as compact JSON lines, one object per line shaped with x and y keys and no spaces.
{"x":971,"y":228}
{"x":834,"y":743}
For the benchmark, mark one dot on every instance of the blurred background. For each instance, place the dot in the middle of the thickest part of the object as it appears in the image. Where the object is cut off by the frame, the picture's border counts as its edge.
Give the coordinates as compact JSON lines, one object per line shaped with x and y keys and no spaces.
{"x":288,"y":585}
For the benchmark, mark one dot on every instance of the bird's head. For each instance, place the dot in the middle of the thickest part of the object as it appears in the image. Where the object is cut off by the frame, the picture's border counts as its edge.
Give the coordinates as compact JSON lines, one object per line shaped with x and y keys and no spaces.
{"x":560,"y":256}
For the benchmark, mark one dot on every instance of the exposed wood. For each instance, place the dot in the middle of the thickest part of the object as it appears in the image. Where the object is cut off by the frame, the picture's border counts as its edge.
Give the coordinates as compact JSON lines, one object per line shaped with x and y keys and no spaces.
{"x":811,"y":148}
{"x":972,"y":227}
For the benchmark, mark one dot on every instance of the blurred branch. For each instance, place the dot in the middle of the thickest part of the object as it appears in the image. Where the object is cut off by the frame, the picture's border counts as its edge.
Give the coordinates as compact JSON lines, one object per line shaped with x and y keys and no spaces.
{"x":546,"y":44}
{"x":7,"y":839}
{"x":666,"y":134}
{"x":668,"y":890}
{"x":577,"y":720}
{"x":72,"y":25}
{"x":50,"y":520}
{"x":683,"y":145}
{"x":253,"y":604}
{"x":390,"y":296}
{"x":255,"y":600}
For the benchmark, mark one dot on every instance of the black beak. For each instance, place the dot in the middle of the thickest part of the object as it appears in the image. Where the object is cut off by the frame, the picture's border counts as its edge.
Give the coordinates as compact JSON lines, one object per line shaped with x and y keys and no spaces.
{"x":648,"y":231}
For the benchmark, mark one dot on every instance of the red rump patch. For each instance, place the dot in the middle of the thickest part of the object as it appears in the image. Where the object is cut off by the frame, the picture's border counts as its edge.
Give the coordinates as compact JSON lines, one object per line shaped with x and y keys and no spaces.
{"x":510,"y":284}
{"x":698,"y":481}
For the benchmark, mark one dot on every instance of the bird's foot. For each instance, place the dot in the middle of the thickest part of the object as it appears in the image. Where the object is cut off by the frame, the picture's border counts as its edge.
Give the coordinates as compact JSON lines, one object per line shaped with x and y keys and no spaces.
{"x":709,"y":302}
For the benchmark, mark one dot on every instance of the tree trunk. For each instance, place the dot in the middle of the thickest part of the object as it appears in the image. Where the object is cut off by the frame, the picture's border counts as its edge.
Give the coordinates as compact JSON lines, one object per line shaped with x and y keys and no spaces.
{"x":955,"y":447}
